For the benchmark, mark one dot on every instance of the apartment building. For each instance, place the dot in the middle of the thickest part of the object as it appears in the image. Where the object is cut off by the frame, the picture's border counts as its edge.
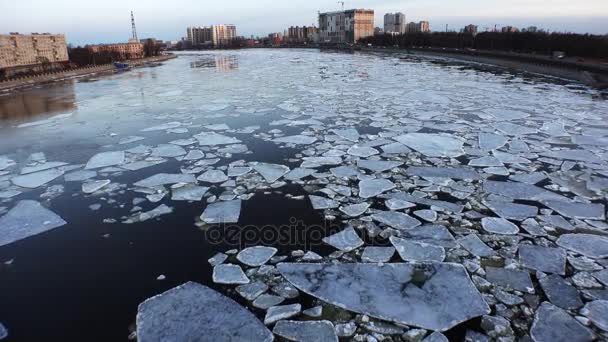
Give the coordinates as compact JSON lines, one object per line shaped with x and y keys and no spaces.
{"x":346,"y":26}
{"x":32,"y":49}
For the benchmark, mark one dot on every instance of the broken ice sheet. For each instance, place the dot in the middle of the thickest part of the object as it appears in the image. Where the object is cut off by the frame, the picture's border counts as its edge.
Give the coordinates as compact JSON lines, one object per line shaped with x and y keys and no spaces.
{"x":355,"y":210}
{"x":306,"y":331}
{"x":475,"y":246}
{"x":514,"y":279}
{"x":556,"y":325}
{"x":193,"y":312}
{"x":396,"y":220}
{"x":27,"y":218}
{"x":213,"y":176}
{"x":212,"y":139}
{"x":270,"y":172}
{"x":491,"y":141}
{"x":93,"y":186}
{"x":168,"y":151}
{"x":5,"y":162}
{"x":544,"y":259}
{"x":432,"y":296}
{"x":373,"y":187}
{"x":362,"y":151}
{"x":189,"y":193}
{"x":346,"y":240}
{"x":350,"y":134}
{"x":592,"y":246}
{"x":444,"y":172}
{"x":164,"y":179}
{"x":319,"y":202}
{"x":37,"y":179}
{"x":222,"y":212}
{"x":296,"y":140}
{"x":378,"y":165}
{"x":417,"y":251}
{"x":256,"y":256}
{"x":105,"y":159}
{"x":229,"y":274}
{"x":377,"y":254}
{"x":433,"y":145}
{"x":42,"y":167}
{"x":496,"y":225}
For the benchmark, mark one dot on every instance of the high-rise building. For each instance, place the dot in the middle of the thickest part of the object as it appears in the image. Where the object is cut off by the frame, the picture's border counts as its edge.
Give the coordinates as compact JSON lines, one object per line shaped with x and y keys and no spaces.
{"x":303,"y":34}
{"x":31,"y":49}
{"x":421,"y":27}
{"x":509,"y":29}
{"x":394,"y":23}
{"x":214,"y":35}
{"x":472,"y":29}
{"x":346,"y":26}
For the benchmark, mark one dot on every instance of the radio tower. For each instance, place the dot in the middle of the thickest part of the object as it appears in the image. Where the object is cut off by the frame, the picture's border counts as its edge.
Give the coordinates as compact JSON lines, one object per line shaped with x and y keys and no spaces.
{"x":133,"y":27}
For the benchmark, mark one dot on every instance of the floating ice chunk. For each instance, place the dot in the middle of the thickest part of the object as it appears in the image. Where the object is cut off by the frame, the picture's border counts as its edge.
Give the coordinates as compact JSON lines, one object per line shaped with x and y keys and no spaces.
{"x":296,"y":139}
{"x":544,"y":259}
{"x":554,"y":129}
{"x":183,"y":142}
{"x":448,"y":206}
{"x":34,"y":180}
{"x":373,"y":187}
{"x":194,"y":155}
{"x":512,"y":211}
{"x":156,"y":212}
{"x":395,"y":148}
{"x":130,"y":139}
{"x":42,"y":167}
{"x":557,"y":221}
{"x":436,"y":337}
{"x":443,"y":172}
{"x":591,"y":211}
{"x":514,"y":279}
{"x":475,"y":246}
{"x":9,"y":193}
{"x":592,"y":246}
{"x":3,"y":332}
{"x":314,"y":162}
{"x":163,"y":127}
{"x":576,"y":155}
{"x":27,"y":218}
{"x":222,"y":212}
{"x":238,"y":171}
{"x":277,"y":313}
{"x":168,"y":151}
{"x":319,"y":202}
{"x":212,"y":139}
{"x":529,"y":178}
{"x":229,"y":274}
{"x":417,"y":251}
{"x":597,"y":312}
{"x":298,"y":173}
{"x":193,"y":312}
{"x":213,"y":176}
{"x":560,"y":293}
{"x":497,"y":225}
{"x":164,"y":179}
{"x":485,"y":162}
{"x":308,"y":331}
{"x":377,"y":254}
{"x":5,"y":163}
{"x":252,"y":291}
{"x":556,"y":325}
{"x":427,"y":215}
{"x":105,"y":159}
{"x":91,"y":187}
{"x":521,"y":191}
{"x":378,"y":165}
{"x":355,"y":210}
{"x":189,"y":193}
{"x":256,"y":256}
{"x":397,"y":204}
{"x":344,"y":171}
{"x":513,"y":129}
{"x":266,"y":301}
{"x":491,"y":141}
{"x":433,"y":145}
{"x":396,"y":220}
{"x":218,"y":127}
{"x":79,"y":176}
{"x":434,"y":296}
{"x":346,"y":240}
{"x":350,"y":134}
{"x":362,"y":151}
{"x":270,"y":172}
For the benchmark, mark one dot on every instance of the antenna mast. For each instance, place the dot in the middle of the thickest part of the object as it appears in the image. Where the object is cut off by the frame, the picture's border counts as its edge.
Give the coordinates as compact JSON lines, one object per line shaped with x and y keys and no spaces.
{"x":133,"y":27}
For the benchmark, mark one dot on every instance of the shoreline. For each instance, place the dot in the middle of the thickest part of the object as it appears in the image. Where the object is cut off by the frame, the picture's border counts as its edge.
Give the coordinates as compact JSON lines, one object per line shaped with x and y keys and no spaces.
{"x":27,"y":82}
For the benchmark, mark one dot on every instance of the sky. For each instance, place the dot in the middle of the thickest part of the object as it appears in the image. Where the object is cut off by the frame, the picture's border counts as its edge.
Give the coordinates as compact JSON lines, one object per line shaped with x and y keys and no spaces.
{"x":87,"y":22}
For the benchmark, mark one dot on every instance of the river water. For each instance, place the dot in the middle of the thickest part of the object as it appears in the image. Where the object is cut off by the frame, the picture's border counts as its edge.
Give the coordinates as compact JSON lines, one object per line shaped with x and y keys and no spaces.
{"x":84,"y":279}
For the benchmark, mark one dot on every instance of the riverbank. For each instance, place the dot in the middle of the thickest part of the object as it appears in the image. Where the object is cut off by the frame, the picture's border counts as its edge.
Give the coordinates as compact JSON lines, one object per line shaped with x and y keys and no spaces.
{"x":27,"y":82}
{"x":591,"y":73}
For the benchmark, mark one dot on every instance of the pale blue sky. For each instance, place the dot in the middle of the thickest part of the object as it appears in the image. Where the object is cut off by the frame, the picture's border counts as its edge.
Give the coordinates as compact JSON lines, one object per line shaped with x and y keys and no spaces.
{"x":107,"y":21}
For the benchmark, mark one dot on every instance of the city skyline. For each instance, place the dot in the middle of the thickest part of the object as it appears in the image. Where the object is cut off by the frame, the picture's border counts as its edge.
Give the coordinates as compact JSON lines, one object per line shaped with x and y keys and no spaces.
{"x":111,"y":22}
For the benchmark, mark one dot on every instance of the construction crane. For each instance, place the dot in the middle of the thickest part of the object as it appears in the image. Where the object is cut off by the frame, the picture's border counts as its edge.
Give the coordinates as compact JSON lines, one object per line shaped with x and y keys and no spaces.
{"x":341,"y":2}
{"x":133,"y":27}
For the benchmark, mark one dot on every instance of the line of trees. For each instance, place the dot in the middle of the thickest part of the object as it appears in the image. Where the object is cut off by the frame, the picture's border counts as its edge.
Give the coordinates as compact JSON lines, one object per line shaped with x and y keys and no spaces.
{"x":83,"y":56}
{"x":580,"y":45}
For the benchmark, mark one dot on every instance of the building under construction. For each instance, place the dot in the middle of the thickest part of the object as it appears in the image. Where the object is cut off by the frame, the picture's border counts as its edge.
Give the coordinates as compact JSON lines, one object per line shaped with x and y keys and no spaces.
{"x":346,"y":26}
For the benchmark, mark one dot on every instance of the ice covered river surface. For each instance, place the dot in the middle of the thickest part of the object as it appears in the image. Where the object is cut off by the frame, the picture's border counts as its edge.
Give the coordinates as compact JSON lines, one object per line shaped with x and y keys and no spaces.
{"x":397,"y":198}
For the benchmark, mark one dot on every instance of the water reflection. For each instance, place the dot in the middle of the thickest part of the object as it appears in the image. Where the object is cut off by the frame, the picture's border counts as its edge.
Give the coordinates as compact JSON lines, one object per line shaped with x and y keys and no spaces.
{"x":221,"y":63}
{"x":45,"y":100}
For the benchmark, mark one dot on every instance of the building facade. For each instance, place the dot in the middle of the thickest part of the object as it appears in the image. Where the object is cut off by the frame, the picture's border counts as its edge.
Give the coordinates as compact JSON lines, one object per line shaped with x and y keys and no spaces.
{"x":509,"y":29}
{"x":303,"y":34}
{"x":123,"y":50}
{"x":18,"y":50}
{"x":214,"y":35}
{"x":394,"y":23}
{"x":346,"y":26}
{"x":421,"y":27}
